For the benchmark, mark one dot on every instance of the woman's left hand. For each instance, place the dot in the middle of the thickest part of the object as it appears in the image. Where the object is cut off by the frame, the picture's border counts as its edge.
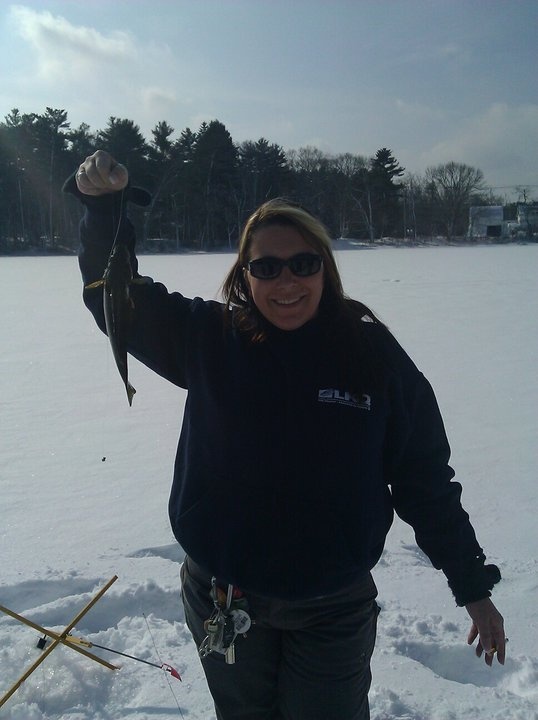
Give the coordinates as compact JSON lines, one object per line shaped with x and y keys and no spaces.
{"x":488,"y":626}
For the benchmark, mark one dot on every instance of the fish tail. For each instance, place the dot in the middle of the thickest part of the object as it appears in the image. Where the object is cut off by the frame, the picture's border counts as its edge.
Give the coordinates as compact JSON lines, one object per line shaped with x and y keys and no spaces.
{"x":130,"y":392}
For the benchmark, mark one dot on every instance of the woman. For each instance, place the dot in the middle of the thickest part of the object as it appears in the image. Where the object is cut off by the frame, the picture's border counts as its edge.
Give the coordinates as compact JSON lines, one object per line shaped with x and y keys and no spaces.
{"x":305,"y":426}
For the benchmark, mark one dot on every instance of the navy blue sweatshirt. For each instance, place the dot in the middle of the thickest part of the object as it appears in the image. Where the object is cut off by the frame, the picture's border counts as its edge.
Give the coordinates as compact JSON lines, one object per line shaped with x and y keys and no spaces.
{"x":286,"y":479}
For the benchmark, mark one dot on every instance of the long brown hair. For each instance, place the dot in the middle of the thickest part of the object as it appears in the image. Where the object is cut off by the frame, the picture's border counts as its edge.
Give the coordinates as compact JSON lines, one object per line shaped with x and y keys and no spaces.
{"x":335,"y":305}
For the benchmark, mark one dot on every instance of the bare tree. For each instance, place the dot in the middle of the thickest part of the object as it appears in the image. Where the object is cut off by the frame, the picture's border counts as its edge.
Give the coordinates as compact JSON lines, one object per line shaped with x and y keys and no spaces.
{"x":346,"y":168}
{"x":307,"y":159}
{"x":453,"y":185}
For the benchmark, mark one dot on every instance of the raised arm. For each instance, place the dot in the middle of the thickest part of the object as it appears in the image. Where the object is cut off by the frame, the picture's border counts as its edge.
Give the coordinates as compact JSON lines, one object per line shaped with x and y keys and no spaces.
{"x":164,"y":327}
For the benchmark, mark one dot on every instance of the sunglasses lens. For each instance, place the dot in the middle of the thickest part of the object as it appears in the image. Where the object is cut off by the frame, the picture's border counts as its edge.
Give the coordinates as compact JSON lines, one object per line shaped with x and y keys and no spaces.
{"x":305,"y":264}
{"x":302,"y":265}
{"x":265,"y":268}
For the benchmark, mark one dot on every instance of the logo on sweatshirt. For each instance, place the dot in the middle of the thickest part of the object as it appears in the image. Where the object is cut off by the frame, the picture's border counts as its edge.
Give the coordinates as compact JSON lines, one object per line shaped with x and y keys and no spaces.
{"x":344,"y":397}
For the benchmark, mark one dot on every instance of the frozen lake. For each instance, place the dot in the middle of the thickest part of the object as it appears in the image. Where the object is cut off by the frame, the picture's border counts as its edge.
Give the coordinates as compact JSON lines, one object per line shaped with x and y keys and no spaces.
{"x":467,"y":316}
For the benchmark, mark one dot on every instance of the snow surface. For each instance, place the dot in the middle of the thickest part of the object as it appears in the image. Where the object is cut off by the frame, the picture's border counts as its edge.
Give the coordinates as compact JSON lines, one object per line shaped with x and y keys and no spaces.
{"x":71,"y":519}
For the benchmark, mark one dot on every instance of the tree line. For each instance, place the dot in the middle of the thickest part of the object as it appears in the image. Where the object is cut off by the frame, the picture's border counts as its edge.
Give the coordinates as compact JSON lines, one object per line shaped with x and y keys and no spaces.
{"x":204,"y":185}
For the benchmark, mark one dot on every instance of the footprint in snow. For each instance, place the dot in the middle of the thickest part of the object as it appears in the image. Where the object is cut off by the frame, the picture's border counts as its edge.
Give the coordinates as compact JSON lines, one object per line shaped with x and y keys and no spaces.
{"x":132,"y":601}
{"x":173,"y":552}
{"x":458,"y":663}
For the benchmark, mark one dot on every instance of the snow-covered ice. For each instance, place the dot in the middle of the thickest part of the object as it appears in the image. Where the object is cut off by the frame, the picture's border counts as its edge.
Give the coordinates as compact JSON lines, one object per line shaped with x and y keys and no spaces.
{"x":85,"y":479}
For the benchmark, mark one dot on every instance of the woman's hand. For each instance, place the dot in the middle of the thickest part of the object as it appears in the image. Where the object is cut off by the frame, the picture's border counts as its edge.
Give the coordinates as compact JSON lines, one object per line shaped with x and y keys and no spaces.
{"x":100,"y":174}
{"x":488,"y":626}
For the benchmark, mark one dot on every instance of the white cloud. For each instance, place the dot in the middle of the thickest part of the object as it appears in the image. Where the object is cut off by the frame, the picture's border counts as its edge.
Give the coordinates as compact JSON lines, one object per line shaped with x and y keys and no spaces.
{"x":65,"y":49}
{"x":419,"y":112}
{"x":95,"y":75}
{"x":157,"y":102}
{"x":449,"y":50}
{"x":502,"y":141}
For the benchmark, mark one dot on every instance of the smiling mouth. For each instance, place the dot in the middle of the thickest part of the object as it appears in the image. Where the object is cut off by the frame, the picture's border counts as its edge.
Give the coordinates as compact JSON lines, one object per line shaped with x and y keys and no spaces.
{"x":288,"y":301}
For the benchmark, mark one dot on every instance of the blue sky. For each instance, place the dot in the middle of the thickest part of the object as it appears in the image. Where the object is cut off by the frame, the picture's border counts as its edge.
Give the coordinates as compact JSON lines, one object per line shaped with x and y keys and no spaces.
{"x":435,"y":80}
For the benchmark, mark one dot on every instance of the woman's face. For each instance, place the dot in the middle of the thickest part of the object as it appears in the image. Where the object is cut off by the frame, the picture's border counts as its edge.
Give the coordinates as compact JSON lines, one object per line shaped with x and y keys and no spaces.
{"x":287,"y":301}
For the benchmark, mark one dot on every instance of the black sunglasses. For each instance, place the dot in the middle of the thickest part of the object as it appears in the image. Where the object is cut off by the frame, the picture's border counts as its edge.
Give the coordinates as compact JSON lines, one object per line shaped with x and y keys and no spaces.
{"x":302,"y":265}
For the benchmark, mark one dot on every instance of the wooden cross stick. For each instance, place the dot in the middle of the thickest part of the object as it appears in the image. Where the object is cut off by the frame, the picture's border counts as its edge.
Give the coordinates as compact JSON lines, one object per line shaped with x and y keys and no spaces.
{"x":57,"y":639}
{"x":68,"y":640}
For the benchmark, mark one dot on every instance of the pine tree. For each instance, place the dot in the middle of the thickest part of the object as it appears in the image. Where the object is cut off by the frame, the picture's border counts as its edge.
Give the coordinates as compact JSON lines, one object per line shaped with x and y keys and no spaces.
{"x":385,"y":192}
{"x":215,"y":177}
{"x":122,"y":139}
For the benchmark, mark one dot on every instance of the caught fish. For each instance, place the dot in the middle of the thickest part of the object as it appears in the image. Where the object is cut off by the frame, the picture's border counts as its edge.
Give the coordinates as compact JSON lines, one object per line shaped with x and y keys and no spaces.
{"x":118,"y":306}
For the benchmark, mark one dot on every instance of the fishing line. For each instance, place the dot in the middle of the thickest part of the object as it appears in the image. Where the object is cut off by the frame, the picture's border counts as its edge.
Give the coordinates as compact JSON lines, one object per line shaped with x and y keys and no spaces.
{"x":103,"y":458}
{"x":100,"y":444}
{"x":104,"y":415}
{"x":116,"y":232}
{"x":132,"y":563}
{"x":160,"y":660}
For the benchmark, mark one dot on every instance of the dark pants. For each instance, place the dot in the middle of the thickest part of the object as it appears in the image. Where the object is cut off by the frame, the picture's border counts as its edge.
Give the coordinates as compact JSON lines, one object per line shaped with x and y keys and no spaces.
{"x":306,"y":660}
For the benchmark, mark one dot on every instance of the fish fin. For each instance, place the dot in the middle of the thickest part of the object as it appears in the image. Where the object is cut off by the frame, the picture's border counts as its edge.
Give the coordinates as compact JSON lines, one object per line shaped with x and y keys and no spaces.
{"x":96,"y":284}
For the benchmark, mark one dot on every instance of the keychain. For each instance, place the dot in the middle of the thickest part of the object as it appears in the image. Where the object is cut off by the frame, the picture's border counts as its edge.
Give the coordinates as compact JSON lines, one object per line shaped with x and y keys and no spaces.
{"x":228,"y":620}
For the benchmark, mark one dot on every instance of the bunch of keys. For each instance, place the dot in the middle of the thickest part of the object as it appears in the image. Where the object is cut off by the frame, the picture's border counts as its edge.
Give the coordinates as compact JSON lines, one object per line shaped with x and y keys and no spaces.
{"x":228,"y":620}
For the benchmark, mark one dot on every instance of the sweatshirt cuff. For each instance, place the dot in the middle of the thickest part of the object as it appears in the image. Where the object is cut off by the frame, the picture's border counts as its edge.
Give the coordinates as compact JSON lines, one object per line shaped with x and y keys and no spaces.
{"x":473,"y":583}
